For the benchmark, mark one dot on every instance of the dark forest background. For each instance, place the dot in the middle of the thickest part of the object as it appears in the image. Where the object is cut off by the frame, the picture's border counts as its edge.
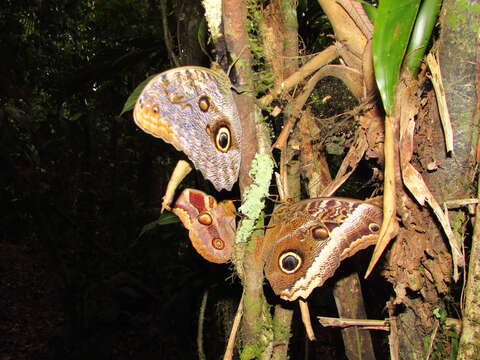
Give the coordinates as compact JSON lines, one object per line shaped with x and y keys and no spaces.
{"x":79,"y":183}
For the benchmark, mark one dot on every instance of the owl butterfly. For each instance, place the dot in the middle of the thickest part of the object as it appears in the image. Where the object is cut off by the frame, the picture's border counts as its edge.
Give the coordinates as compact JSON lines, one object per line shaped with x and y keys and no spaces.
{"x":193,"y":109}
{"x":211,"y":225}
{"x":309,"y":239}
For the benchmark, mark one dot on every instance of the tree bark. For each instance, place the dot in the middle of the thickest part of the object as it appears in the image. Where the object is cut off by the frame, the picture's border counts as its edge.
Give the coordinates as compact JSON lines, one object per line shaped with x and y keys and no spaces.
{"x":457,"y":57}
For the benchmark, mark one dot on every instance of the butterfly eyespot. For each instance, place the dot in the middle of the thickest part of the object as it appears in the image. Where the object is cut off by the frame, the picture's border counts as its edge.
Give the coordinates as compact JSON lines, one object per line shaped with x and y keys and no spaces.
{"x":289,"y":262}
{"x":205,"y":219}
{"x":373,"y":227}
{"x":222,"y":139}
{"x":320,"y":233}
{"x":204,"y":103}
{"x":155,"y":109}
{"x":218,"y":244}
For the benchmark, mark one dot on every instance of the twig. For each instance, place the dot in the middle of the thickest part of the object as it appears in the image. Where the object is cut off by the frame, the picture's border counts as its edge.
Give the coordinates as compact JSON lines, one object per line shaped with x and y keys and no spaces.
{"x":347,"y":322}
{"x":441,"y":101}
{"x":166,"y":34}
{"x":201,"y":320}
{"x":349,"y":164}
{"x":349,"y":76}
{"x":393,"y":336}
{"x":432,"y":339}
{"x":233,"y":333}
{"x":321,"y":59}
{"x":453,"y":204}
{"x":306,"y":319}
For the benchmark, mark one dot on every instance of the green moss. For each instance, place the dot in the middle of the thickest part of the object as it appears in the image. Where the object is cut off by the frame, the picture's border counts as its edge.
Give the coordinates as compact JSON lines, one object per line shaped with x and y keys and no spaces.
{"x":262,"y":326}
{"x":254,"y":304}
{"x":457,"y":15}
{"x":281,"y":331}
{"x":254,"y":196}
{"x":445,"y":344}
{"x":250,"y":351}
{"x":261,"y":74}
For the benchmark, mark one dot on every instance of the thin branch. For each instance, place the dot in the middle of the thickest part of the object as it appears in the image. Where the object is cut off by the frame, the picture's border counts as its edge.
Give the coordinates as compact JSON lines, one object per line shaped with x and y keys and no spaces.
{"x":441,"y":101}
{"x":201,"y":320}
{"x":233,"y":333}
{"x":393,"y":341}
{"x":457,"y":203}
{"x":166,"y":34}
{"x":306,"y":319}
{"x":317,"y":62}
{"x":351,"y":78}
{"x":432,"y":339}
{"x":365,"y":324}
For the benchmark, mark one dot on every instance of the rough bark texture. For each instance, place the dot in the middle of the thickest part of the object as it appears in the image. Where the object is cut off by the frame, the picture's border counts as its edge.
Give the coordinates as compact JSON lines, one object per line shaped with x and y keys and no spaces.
{"x":418,"y":264}
{"x":469,"y":344}
{"x":459,"y":65}
{"x":460,"y":21}
{"x":457,"y":57}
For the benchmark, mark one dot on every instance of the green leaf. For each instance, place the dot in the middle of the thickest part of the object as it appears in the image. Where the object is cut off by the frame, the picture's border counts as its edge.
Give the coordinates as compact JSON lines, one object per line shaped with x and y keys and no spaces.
{"x":370,"y":10}
{"x":164,"y":219}
{"x":393,"y":26}
{"x":132,"y":99}
{"x":422,"y":32}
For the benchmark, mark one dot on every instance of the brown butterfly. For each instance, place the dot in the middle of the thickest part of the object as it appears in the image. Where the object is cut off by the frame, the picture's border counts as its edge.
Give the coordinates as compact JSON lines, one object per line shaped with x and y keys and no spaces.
{"x":308,"y":240}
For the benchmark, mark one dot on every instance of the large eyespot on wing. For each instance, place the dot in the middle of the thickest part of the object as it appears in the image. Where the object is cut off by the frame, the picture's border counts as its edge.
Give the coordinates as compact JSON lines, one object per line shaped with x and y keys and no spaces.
{"x":223,"y":139}
{"x":290,"y":261}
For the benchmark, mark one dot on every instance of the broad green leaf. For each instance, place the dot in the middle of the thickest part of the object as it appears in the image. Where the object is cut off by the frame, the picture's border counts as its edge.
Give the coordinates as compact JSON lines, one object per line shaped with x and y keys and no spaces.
{"x":164,"y":219}
{"x":422,"y":32}
{"x":393,"y":26}
{"x":130,"y":103}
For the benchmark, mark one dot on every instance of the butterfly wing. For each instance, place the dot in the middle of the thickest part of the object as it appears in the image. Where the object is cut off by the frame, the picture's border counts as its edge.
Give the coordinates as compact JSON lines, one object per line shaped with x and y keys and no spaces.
{"x":309,"y":239}
{"x":193,"y":109}
{"x":211,"y":225}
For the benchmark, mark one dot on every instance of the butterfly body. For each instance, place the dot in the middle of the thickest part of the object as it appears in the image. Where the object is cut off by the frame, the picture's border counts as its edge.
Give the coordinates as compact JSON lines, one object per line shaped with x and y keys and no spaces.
{"x":308,"y":240}
{"x":193,"y":109}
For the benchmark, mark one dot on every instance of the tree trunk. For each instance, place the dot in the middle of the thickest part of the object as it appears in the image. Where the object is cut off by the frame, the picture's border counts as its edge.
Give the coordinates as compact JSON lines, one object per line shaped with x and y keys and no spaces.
{"x":459,"y":60}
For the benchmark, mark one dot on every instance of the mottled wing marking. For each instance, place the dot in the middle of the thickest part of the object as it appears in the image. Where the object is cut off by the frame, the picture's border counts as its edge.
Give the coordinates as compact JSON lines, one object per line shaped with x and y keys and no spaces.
{"x":347,"y":222}
{"x":168,"y":108}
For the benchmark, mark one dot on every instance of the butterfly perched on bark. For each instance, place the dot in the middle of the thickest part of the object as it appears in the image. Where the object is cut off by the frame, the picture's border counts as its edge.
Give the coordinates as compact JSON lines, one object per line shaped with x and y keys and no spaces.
{"x":307,"y":240}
